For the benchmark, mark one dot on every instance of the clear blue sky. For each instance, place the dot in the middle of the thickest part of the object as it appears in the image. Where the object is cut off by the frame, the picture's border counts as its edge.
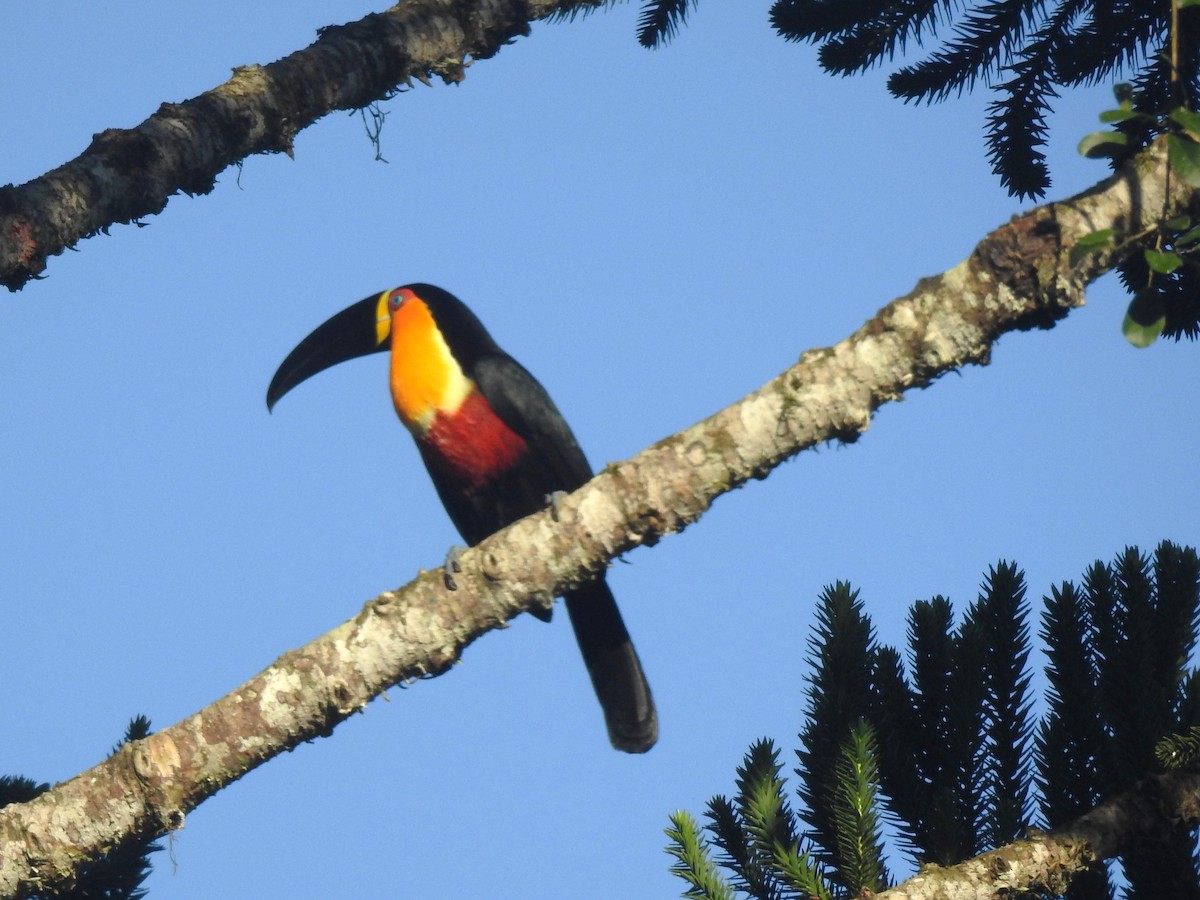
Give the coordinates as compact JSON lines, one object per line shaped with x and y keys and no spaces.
{"x":653,"y":235}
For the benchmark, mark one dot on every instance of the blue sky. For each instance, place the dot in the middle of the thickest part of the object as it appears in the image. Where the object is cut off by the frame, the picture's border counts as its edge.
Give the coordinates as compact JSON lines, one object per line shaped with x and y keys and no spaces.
{"x":653,"y":235}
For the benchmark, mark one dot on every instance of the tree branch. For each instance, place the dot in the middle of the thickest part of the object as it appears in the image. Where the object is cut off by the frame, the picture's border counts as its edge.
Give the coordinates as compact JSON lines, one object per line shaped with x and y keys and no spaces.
{"x":1050,"y":860}
{"x":1019,"y":277}
{"x":127,"y":174}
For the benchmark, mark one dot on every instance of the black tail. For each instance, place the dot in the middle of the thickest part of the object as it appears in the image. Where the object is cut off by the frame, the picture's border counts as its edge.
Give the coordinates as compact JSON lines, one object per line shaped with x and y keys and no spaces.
{"x":616,"y":671}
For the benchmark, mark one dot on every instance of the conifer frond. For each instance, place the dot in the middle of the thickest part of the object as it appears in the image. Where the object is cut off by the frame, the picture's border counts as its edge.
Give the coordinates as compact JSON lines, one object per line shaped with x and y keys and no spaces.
{"x":137,"y":729}
{"x":869,"y":41}
{"x":731,"y":836}
{"x":1016,"y":129}
{"x":1166,"y":865}
{"x":765,"y":812}
{"x":1071,"y":736}
{"x":1176,"y":584}
{"x":728,"y":835}
{"x":693,"y":862}
{"x":1116,"y":37}
{"x":570,"y":13}
{"x":1141,"y":705}
{"x":977,"y":53}
{"x":801,"y":873}
{"x":931,"y":658}
{"x":841,"y":652}
{"x":661,"y":20}
{"x":1179,"y":751}
{"x":856,"y":813}
{"x":952,"y":764}
{"x":895,"y":716}
{"x":820,"y":19}
{"x":815,"y":20}
{"x":1003,"y":616}
{"x":1024,"y":50}
{"x":1181,"y":303}
{"x":771,"y":824}
{"x":19,"y":789}
{"x":1142,"y":686}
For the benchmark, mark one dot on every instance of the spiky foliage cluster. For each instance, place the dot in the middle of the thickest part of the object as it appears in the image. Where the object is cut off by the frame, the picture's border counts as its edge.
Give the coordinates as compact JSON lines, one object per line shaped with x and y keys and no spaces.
{"x":660,"y":19}
{"x":955,"y":728}
{"x":946,"y":749}
{"x":1178,"y":751}
{"x":1118,"y":648}
{"x":754,"y":837}
{"x":842,"y":654}
{"x":1024,"y":50}
{"x":119,"y":873}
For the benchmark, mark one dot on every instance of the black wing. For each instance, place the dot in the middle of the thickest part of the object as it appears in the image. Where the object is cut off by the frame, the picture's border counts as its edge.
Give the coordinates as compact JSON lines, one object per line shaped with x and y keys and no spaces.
{"x":525,"y":407}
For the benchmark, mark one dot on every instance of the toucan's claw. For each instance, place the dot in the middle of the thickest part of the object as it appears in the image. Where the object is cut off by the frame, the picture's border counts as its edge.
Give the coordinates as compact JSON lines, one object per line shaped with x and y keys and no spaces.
{"x":453,"y":566}
{"x":552,"y":500}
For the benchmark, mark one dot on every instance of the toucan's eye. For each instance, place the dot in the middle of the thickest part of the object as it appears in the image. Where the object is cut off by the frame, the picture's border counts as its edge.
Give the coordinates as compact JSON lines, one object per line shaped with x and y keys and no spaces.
{"x":396,"y":299}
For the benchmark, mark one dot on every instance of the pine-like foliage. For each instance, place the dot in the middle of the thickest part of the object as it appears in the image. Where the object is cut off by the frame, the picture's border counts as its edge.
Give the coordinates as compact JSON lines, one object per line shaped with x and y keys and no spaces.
{"x":966,"y":783}
{"x":660,"y":19}
{"x":1119,"y":683}
{"x":841,"y":654}
{"x":945,"y":749}
{"x":119,"y":873}
{"x":1024,"y":50}
{"x":754,"y":838}
{"x":855,"y":805}
{"x":1000,"y":616}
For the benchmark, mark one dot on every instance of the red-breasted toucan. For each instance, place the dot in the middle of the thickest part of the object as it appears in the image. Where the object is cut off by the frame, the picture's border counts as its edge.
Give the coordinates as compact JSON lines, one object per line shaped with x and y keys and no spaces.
{"x":496,"y":448}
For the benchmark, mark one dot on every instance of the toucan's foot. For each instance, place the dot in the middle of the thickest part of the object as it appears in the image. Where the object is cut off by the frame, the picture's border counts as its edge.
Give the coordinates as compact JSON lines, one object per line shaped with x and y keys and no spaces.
{"x":552,"y":500}
{"x":453,"y":566}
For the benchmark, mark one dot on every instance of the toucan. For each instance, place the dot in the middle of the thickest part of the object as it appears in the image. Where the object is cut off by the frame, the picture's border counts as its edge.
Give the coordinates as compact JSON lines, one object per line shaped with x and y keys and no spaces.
{"x":497,"y":449}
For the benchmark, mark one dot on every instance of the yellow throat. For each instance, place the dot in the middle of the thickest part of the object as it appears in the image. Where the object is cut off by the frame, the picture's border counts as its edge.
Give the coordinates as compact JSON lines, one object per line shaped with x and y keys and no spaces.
{"x":425,"y":377}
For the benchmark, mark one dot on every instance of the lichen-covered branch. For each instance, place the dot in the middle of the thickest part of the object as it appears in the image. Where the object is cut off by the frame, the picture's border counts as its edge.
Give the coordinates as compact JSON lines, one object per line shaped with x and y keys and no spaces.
{"x":1020,"y":276}
{"x":1045,"y":863}
{"x":128,"y":174}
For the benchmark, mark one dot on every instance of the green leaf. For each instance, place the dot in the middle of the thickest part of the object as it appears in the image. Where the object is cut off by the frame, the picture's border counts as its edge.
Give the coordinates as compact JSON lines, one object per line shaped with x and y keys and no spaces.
{"x":1184,"y":155}
{"x":1113,"y":116}
{"x":1188,"y":237}
{"x":1090,"y":243}
{"x":1100,"y":144}
{"x":1145,"y":318}
{"x":1163,"y":262}
{"x":1179,"y":223}
{"x":1187,"y":120}
{"x":1184,"y":4}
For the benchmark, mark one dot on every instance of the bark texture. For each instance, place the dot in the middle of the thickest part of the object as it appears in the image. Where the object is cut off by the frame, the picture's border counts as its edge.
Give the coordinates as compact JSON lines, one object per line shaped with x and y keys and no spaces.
{"x":128,"y":174}
{"x":1020,"y":276}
